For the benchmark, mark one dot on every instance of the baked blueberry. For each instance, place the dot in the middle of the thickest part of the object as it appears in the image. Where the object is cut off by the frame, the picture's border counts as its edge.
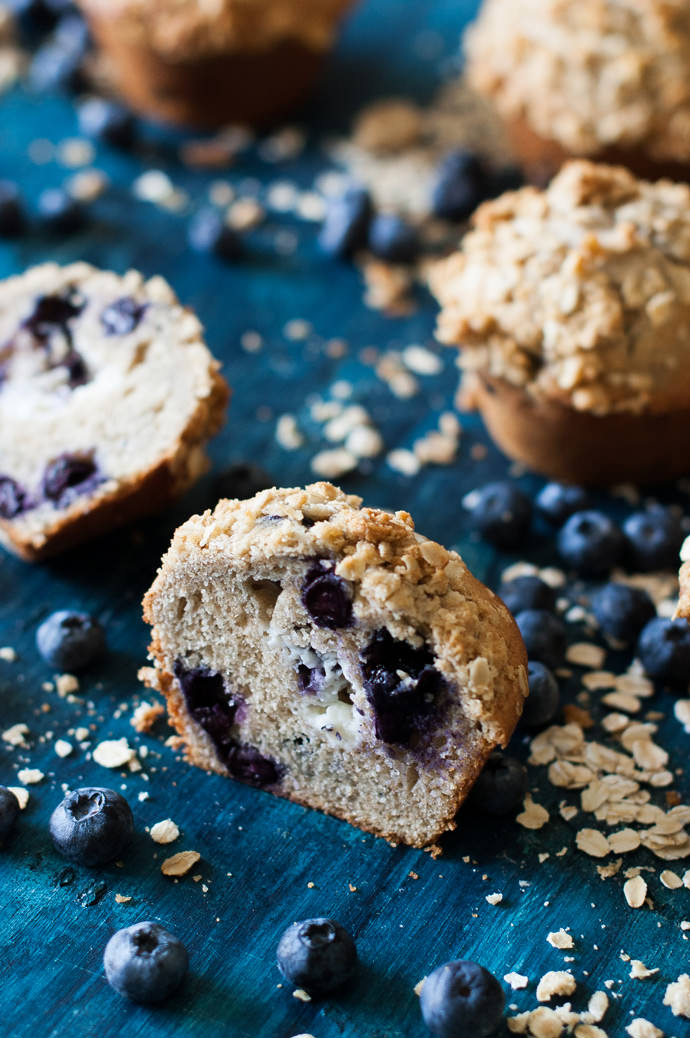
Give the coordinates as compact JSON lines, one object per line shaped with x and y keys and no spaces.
{"x":326,"y":597}
{"x":461,"y":182}
{"x":208,"y":232}
{"x":92,"y":826}
{"x":653,"y":540}
{"x":108,"y":121}
{"x":346,"y":223}
{"x":122,"y":316}
{"x":543,"y":701}
{"x":51,"y":314}
{"x":12,"y":217}
{"x":501,"y":786}
{"x":502,"y":513}
{"x":590,"y":543}
{"x":622,"y":611}
{"x":241,"y":480}
{"x":13,"y":498}
{"x":70,"y":641}
{"x":393,"y":239}
{"x":558,"y":501}
{"x":664,"y":650}
{"x":318,"y":955}
{"x":59,"y":212}
{"x":249,"y":765}
{"x":9,"y":812}
{"x":527,"y":592}
{"x":68,"y":476}
{"x":462,"y":1000}
{"x":145,"y":962}
{"x":544,"y":636}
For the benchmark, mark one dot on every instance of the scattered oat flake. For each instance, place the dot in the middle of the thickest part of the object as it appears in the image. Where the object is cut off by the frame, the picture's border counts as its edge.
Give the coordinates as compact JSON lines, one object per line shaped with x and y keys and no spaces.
{"x":333,"y":463}
{"x":635,"y":891}
{"x":301,"y":995}
{"x":555,"y":982}
{"x":533,"y":815}
{"x":560,"y":939}
{"x":113,"y":753}
{"x":180,"y":864}
{"x":592,"y":842}
{"x":641,"y":1028}
{"x":288,"y":435}
{"x":30,"y":776}
{"x":677,"y":996}
{"x":164,"y":832}
{"x":122,"y":899}
{"x":516,"y":980}
{"x":585,"y":654}
{"x":403,"y":461}
{"x":638,"y":970}
{"x":597,"y":1006}
{"x":671,"y":880}
{"x":494,"y":899}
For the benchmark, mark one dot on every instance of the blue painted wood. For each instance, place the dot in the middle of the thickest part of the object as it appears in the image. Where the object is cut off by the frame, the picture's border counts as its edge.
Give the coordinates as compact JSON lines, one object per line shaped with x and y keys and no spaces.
{"x":266,"y":862}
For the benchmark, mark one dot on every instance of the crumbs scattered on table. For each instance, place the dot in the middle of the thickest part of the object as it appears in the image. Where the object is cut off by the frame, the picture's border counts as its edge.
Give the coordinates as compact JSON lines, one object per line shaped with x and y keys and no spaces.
{"x":165,"y":831}
{"x":180,"y":864}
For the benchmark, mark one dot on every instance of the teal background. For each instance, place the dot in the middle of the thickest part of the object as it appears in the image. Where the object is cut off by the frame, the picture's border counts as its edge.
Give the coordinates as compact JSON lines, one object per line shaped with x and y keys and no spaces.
{"x":266,"y":862}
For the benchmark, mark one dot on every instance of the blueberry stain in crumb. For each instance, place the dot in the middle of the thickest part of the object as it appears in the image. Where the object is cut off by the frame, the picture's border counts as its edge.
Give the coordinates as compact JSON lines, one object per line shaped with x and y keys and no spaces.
{"x":326,"y":597}
{"x":318,"y":955}
{"x":122,"y":316}
{"x":69,"y":476}
{"x":92,"y":826}
{"x":14,"y":499}
{"x":145,"y":963}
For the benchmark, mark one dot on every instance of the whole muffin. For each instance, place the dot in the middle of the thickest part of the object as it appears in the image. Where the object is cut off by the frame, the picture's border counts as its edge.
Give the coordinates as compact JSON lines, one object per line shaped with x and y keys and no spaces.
{"x":604,"y":79}
{"x":572,"y":310}
{"x":214,"y":62}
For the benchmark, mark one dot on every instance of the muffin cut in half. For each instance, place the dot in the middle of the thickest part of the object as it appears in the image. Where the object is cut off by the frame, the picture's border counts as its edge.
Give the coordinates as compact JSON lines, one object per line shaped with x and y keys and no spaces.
{"x":607,"y":80}
{"x":571,"y":307}
{"x":215,"y":63}
{"x":329,"y":654}
{"x":107,"y":398}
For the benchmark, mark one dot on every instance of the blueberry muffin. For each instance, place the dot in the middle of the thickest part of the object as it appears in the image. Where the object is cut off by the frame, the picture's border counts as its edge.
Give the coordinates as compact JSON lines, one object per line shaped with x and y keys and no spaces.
{"x":218,"y":62}
{"x":600,"y":79}
{"x":331,"y":655}
{"x":571,"y":307}
{"x":107,"y":398}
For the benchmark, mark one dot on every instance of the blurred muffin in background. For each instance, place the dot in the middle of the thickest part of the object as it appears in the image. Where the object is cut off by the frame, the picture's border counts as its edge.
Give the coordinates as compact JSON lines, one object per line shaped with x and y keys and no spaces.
{"x":601,"y":79}
{"x":212,"y":62}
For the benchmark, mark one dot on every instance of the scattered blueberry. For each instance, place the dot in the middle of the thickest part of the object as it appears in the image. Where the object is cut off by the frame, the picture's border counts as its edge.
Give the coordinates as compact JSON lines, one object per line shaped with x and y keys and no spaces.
{"x":326,"y":597}
{"x":32,"y":17}
{"x":318,"y":955}
{"x":122,"y":316}
{"x":590,"y":543}
{"x":501,"y":786}
{"x":70,"y":641}
{"x":653,"y":540}
{"x":527,"y":592}
{"x":57,"y":64}
{"x":13,"y":498}
{"x":502,"y":513}
{"x":393,"y":239}
{"x":68,"y":476}
{"x":92,"y":826}
{"x":59,"y":212}
{"x":558,"y":501}
{"x":543,"y":701}
{"x":242,"y":480}
{"x":622,"y":611}
{"x":108,"y":121}
{"x":145,"y":962}
{"x":9,"y":812}
{"x":346,"y":224}
{"x":664,"y":650}
{"x":461,"y":183}
{"x":12,"y":217}
{"x":462,"y":999}
{"x":544,"y":636}
{"x":208,"y":232}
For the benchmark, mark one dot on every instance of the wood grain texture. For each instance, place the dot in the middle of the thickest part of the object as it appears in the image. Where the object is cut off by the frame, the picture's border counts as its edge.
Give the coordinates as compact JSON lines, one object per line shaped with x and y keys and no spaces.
{"x":266,"y":862}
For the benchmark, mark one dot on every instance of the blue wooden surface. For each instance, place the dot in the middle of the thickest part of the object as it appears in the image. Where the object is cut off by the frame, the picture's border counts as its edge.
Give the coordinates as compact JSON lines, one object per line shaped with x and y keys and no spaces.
{"x":266,"y":862}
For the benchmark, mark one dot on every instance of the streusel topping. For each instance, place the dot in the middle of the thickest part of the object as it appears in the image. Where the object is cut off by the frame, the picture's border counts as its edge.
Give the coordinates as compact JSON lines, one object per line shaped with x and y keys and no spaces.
{"x":590,"y":74}
{"x":580,"y":292}
{"x":185,"y":29}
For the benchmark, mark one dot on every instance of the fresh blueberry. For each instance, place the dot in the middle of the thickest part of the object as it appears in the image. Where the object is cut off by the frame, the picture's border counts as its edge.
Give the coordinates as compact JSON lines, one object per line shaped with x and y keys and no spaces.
{"x":242,"y":480}
{"x":122,"y":316}
{"x":70,"y":641}
{"x":393,"y":239}
{"x":326,"y":597}
{"x":12,"y":217}
{"x":346,"y":224}
{"x":502,"y":513}
{"x":145,"y":963}
{"x":9,"y":812}
{"x":664,"y":650}
{"x":107,"y":121}
{"x":208,"y":232}
{"x":527,"y":592}
{"x":653,"y":540}
{"x":13,"y":498}
{"x":558,"y":501}
{"x":544,"y":636}
{"x":92,"y":826}
{"x":462,"y":999}
{"x":59,"y":212}
{"x":622,"y":611}
{"x":543,"y":701}
{"x":501,"y":786}
{"x":461,"y":182}
{"x":318,"y":955}
{"x":590,"y":543}
{"x":68,"y":476}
